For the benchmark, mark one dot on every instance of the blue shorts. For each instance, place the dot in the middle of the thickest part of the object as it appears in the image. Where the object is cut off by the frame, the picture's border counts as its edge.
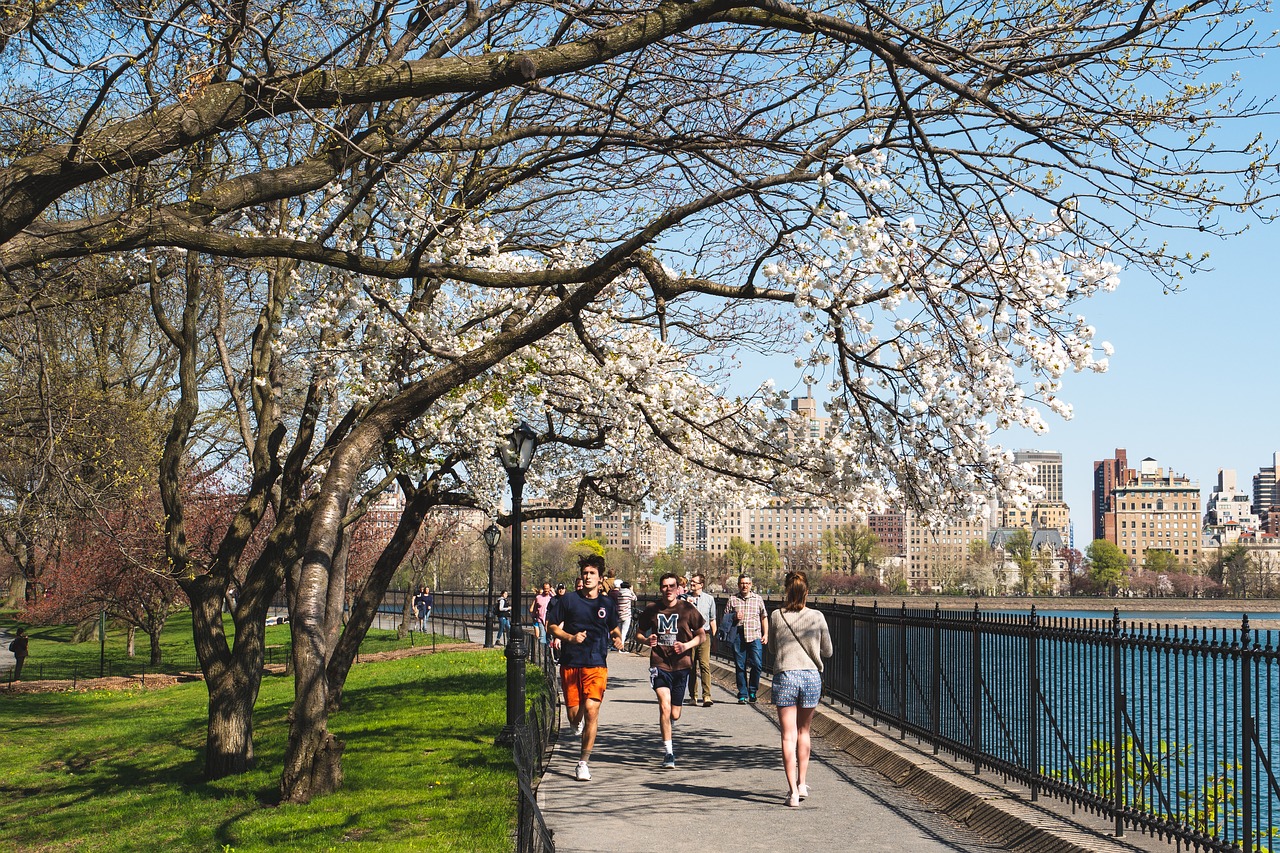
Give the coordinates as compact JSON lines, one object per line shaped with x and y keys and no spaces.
{"x":801,"y":687}
{"x":675,"y":680}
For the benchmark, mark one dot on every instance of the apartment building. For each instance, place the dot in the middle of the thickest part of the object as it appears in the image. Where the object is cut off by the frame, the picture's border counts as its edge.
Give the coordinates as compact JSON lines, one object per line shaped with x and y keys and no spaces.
{"x":1265,"y":494}
{"x":1228,"y":513}
{"x":1154,"y":509}
{"x":625,"y":528}
{"x":936,"y":558}
{"x":1107,"y":475}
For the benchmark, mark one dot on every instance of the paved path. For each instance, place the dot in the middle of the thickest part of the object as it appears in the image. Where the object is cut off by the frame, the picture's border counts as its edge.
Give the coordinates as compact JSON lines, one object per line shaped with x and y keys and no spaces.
{"x":7,"y":660}
{"x":728,"y":790}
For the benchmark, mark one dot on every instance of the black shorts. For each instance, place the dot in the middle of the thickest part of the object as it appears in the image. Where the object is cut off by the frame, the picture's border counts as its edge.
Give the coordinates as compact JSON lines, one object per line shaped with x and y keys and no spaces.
{"x":677,"y":681}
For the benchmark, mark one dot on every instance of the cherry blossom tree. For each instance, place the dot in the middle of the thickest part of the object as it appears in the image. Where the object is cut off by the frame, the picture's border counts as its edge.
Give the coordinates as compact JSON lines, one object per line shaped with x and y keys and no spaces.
{"x":396,"y":229}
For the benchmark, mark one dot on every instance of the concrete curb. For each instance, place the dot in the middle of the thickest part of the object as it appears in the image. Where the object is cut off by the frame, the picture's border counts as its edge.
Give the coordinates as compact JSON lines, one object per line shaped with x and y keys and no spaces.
{"x":990,"y":811}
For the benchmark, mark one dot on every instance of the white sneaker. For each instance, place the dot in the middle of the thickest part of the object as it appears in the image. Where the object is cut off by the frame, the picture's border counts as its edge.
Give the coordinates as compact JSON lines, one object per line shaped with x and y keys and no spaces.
{"x":577,"y":730}
{"x":583,"y":773}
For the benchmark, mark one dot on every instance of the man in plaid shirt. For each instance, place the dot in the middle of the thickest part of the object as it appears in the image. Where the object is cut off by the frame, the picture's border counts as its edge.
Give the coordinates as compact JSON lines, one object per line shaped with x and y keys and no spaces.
{"x":753,"y":627}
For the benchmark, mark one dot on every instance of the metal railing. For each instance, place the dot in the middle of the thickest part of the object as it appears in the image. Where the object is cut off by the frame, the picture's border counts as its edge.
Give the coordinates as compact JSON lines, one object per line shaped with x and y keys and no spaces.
{"x":112,"y":667}
{"x":532,"y":748}
{"x":1170,"y":730}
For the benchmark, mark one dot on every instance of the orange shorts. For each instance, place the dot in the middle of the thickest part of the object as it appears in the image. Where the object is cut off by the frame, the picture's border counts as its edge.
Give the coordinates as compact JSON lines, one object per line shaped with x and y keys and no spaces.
{"x":583,"y":682}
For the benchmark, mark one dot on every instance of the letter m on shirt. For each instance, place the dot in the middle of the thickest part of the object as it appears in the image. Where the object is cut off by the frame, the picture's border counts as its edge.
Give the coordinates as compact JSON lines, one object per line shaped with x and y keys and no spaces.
{"x":668,"y":622}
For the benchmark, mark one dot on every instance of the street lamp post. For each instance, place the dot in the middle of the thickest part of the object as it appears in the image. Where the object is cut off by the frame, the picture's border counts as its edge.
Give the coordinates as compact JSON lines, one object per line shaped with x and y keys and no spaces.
{"x":516,"y":455}
{"x":492,"y":535}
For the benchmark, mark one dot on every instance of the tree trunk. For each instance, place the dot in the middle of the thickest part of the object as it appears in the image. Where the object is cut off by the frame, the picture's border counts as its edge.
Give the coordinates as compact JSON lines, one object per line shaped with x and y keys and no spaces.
{"x":312,"y":764}
{"x":232,"y":675}
{"x":229,"y":741}
{"x":365,"y":608}
{"x":157,"y":656}
{"x":313,"y":757}
{"x":129,"y":649}
{"x":317,"y":766}
{"x":17,"y":591}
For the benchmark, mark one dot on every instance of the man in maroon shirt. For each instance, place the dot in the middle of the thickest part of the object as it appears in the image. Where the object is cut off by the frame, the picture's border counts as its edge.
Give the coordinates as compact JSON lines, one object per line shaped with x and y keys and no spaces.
{"x":672,"y":629}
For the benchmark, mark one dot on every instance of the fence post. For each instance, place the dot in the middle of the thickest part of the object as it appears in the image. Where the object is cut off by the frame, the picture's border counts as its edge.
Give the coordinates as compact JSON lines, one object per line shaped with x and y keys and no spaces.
{"x":873,"y":662}
{"x":902,"y":672}
{"x":1246,"y":735}
{"x":935,"y":689}
{"x":1033,"y":703}
{"x":976,"y":698}
{"x":1117,"y":723}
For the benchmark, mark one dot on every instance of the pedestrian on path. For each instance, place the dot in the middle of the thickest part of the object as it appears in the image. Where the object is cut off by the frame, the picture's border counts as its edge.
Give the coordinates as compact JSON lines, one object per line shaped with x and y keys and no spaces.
{"x":19,"y":649}
{"x":503,"y":609}
{"x":585,"y":621}
{"x":538,"y":611}
{"x":625,"y":599}
{"x":753,"y":635}
{"x":672,"y":628}
{"x":800,"y":640}
{"x":701,"y":671}
{"x":422,"y":603}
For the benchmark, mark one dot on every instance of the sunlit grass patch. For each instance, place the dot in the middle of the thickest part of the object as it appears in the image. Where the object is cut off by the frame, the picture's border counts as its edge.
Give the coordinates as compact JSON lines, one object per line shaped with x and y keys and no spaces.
{"x":120,"y":770}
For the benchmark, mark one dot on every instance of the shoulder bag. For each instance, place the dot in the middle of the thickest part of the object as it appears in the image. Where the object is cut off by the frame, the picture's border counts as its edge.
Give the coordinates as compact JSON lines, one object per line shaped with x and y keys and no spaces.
{"x":782,"y":614}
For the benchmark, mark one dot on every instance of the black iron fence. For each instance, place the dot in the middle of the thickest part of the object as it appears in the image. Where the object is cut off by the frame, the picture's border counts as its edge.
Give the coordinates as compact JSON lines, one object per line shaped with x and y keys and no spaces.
{"x":112,"y":667}
{"x":464,"y":616}
{"x":1171,"y":730}
{"x":532,"y":747}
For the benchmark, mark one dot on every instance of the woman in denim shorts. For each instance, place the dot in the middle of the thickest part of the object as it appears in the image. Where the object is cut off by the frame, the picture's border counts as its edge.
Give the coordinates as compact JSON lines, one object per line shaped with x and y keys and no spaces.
{"x":800,"y":641}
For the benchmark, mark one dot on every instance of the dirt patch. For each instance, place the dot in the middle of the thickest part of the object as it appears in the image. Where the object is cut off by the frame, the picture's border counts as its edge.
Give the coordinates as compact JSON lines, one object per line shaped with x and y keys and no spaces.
{"x":80,"y":685}
{"x":396,"y":654}
{"x":158,"y":681}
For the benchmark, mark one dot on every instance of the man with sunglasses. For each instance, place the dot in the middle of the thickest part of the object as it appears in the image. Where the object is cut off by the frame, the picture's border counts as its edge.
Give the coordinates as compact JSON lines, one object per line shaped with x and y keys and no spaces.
{"x":672,"y":629}
{"x":701,"y":671}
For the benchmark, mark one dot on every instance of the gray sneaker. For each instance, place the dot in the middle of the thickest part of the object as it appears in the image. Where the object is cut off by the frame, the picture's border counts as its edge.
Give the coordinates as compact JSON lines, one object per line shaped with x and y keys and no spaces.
{"x":669,"y":761}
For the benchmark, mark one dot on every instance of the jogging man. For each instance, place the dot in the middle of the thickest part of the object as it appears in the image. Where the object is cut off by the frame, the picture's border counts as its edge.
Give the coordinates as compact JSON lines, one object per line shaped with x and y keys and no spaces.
{"x":585,"y":623}
{"x":672,"y":629}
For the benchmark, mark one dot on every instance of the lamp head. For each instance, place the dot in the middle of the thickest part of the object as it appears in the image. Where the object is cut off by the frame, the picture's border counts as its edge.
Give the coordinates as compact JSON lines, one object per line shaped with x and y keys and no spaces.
{"x":517,"y":453}
{"x":492,"y":534}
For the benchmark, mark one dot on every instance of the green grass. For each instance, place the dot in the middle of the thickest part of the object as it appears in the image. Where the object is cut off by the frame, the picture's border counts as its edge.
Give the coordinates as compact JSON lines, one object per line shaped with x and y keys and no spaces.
{"x":120,"y":770}
{"x":54,"y":655}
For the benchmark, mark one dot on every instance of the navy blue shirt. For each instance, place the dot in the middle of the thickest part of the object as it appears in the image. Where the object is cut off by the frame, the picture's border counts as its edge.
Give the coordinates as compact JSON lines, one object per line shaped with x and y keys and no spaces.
{"x":597,"y":616}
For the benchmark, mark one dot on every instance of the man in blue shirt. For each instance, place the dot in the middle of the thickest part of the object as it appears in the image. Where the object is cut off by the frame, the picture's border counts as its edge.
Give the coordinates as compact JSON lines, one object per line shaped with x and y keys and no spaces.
{"x":585,"y":623}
